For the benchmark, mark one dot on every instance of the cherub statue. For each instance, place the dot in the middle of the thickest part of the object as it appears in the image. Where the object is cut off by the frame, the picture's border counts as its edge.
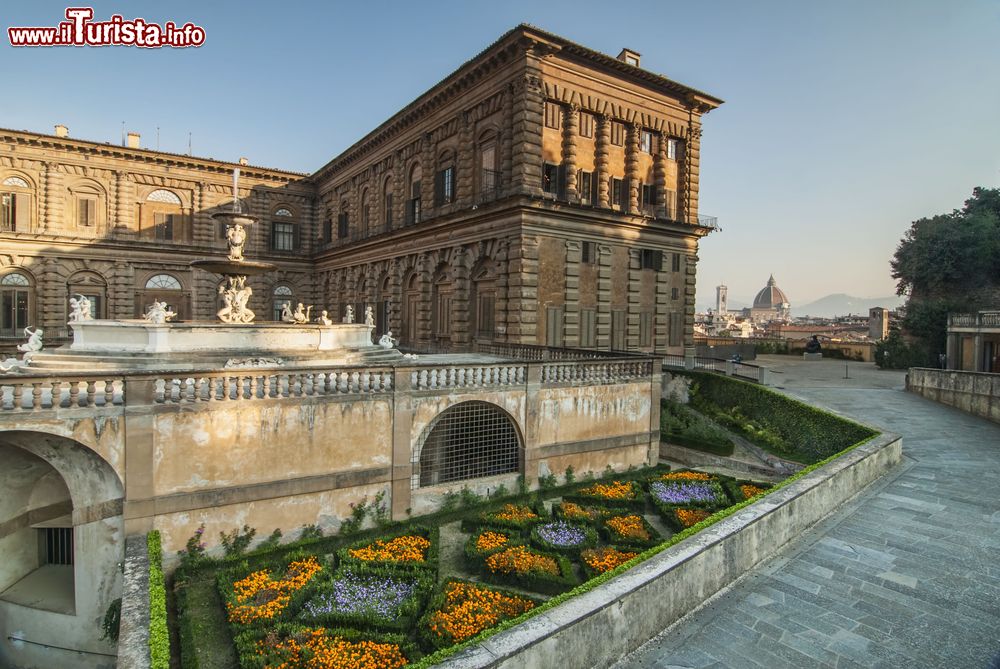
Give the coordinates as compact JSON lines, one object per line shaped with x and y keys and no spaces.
{"x":387,"y":341}
{"x":301,"y":314}
{"x":349,"y":314}
{"x":286,"y":313}
{"x":324,"y":318}
{"x":158,"y":313}
{"x":236,"y":236}
{"x":10,"y":365}
{"x":80,"y":309}
{"x":369,"y":316}
{"x":34,"y":342}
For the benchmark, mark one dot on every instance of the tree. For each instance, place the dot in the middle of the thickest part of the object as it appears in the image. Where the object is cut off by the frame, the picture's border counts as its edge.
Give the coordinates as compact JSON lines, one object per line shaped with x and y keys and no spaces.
{"x":948,"y":263}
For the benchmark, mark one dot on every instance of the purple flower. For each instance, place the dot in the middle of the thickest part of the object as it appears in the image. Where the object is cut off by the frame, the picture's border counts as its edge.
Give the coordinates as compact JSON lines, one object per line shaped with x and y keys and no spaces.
{"x":376,"y":595}
{"x":561,"y":533}
{"x":683,"y":492}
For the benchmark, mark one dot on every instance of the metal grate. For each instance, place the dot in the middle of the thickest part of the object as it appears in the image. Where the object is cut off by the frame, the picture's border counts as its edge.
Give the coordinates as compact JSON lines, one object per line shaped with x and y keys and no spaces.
{"x":58,"y":545}
{"x":469,"y":440}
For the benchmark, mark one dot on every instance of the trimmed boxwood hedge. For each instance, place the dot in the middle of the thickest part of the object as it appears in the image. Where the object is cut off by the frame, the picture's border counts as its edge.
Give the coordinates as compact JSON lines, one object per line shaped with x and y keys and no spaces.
{"x":613,"y":537}
{"x":720,"y":500}
{"x":474,"y":557}
{"x":439,"y":600}
{"x":159,"y":637}
{"x":589,"y":538}
{"x":538,"y":581}
{"x":250,"y":658}
{"x":590,"y":573}
{"x":597,"y":513}
{"x":432,"y":534}
{"x":734,"y":488}
{"x":669,"y":515}
{"x":488,"y":518}
{"x":808,"y":434}
{"x":637,"y":502}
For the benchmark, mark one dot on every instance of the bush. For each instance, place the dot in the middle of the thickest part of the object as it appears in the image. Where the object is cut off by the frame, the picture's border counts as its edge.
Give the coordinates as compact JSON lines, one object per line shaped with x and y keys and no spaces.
{"x":462,"y":609}
{"x":775,"y":422}
{"x":894,"y":352}
{"x":270,"y":648}
{"x":235,"y":543}
{"x":680,"y":425}
{"x":159,"y":637}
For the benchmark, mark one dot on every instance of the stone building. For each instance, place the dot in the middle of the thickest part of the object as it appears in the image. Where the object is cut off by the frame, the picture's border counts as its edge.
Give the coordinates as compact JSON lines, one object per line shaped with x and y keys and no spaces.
{"x":542,"y":193}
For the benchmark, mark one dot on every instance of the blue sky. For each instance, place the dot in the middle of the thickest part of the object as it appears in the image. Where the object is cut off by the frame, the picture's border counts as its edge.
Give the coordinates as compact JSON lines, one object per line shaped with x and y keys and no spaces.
{"x":843,"y":121}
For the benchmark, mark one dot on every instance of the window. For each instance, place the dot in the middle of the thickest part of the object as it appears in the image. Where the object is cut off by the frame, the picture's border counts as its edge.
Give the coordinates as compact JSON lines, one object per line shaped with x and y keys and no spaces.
{"x":163,"y":282}
{"x":163,"y":226}
{"x":645,"y":329}
{"x":8,"y":212}
{"x":281,"y":298}
{"x":283,"y":236}
{"x":617,"y":133}
{"x":96,"y":303}
{"x":14,"y":205}
{"x":387,"y":205}
{"x":618,"y":195}
{"x":283,"y":212}
{"x":632,"y":60}
{"x":86,"y":211}
{"x":15,"y":299}
{"x":646,"y":141}
{"x":675,"y":293}
{"x":444,"y":186}
{"x":489,"y":186}
{"x":554,"y":326}
{"x":57,"y":545}
{"x":648,"y":196}
{"x":588,"y":253}
{"x":672,"y":149}
{"x":670,"y":204}
{"x":466,"y":441}
{"x":676,"y":335}
{"x":675,"y":263}
{"x":343,"y":224}
{"x":587,"y":187}
{"x":617,"y":329}
{"x":550,"y":178}
{"x":328,"y":229}
{"x":553,"y":115}
{"x":485,"y":310}
{"x":588,"y":328}
{"x":366,"y":215}
{"x":586,"y":124}
{"x":652,"y":259}
{"x":413,"y":204}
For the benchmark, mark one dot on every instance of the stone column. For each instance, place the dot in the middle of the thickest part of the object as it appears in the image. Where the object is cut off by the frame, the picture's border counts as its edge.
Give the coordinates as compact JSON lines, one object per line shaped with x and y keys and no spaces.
{"x":465,"y":162}
{"x":506,"y":133}
{"x":571,"y":298}
{"x":603,"y":297}
{"x":205,"y":231}
{"x":660,"y":175}
{"x":690,"y":166}
{"x":529,"y":108}
{"x":602,"y":160}
{"x":427,"y":175}
{"x":424,"y":308}
{"x":570,"y":128}
{"x":632,"y":166}
{"x":632,"y":299}
{"x":399,"y":194}
{"x":54,"y":203}
{"x":661,"y":319}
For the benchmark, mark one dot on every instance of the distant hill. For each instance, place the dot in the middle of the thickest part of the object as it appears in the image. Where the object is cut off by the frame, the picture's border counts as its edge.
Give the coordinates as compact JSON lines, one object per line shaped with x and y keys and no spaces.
{"x":840,"y":304}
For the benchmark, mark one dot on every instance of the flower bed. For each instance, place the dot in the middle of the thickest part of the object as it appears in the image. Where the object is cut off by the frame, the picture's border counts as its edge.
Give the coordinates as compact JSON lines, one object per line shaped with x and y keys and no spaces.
{"x":463,"y":609}
{"x":681,"y":517}
{"x":488,"y":541}
{"x":631,"y":530}
{"x":262,"y":596}
{"x":289,"y":646}
{"x":596,"y":561}
{"x":708,"y":494}
{"x":511,"y":516}
{"x":363,"y":596}
{"x":626,"y":494}
{"x":525,"y":567}
{"x":685,"y":475}
{"x":578,"y":513}
{"x":742,"y":490}
{"x":417,"y":548}
{"x":563,"y":536}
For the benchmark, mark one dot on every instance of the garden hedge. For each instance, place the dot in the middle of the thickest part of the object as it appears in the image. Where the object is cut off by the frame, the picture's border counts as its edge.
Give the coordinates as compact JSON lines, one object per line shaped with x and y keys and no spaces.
{"x":159,"y":637}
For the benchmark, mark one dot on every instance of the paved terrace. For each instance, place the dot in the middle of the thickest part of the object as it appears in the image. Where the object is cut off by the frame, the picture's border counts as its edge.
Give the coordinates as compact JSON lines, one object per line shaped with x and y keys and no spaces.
{"x":905,"y":575}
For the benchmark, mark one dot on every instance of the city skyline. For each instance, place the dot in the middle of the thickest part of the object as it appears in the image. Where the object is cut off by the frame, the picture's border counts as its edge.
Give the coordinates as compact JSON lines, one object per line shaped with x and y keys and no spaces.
{"x":838,"y":128}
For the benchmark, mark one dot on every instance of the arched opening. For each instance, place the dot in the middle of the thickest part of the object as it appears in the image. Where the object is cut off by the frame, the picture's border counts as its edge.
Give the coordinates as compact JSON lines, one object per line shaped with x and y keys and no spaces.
{"x":282,"y":297}
{"x":17,"y":304}
{"x":467,"y":441}
{"x":92,"y":286}
{"x":482,"y":304}
{"x":162,"y":288}
{"x":16,"y":204}
{"x":162,"y":217}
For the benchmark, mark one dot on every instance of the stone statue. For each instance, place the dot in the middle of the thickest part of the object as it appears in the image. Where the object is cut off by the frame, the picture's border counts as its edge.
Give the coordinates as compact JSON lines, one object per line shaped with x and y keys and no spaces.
{"x":235,"y":297}
{"x":80,"y":309}
{"x":10,"y":365}
{"x":349,"y":314}
{"x":813,"y":345}
{"x":324,"y":319}
{"x":34,"y":342}
{"x":387,"y":341}
{"x":301,"y":314}
{"x":236,"y":236}
{"x":158,"y":313}
{"x":286,"y":314}
{"x":369,"y":316}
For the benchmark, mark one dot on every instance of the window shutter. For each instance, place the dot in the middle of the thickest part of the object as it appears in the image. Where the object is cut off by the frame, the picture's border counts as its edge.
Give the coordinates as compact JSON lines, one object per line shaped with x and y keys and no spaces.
{"x":298,"y":237}
{"x":22,"y":208}
{"x":561,"y":181}
{"x":438,"y":188}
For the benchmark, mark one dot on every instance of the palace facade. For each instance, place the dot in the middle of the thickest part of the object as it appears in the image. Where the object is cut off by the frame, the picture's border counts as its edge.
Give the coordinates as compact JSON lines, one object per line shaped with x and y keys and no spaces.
{"x":543,"y":193}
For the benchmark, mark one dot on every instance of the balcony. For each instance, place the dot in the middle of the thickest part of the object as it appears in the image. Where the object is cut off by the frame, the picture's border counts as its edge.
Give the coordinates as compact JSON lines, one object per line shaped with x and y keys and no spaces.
{"x":982,"y":319}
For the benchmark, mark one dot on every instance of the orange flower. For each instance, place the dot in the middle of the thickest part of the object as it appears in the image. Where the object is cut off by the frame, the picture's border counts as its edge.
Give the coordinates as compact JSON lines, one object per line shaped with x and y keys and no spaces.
{"x":469,"y":609}
{"x":261,"y":597}
{"x":630,"y":527}
{"x":686,"y":476}
{"x":490,"y":540}
{"x":521,"y":561}
{"x":407,"y":548}
{"x":314,"y":649}
{"x":689,"y":517}
{"x":514,"y":512}
{"x":605,"y":559}
{"x":751,"y":490}
{"x":613,"y":490}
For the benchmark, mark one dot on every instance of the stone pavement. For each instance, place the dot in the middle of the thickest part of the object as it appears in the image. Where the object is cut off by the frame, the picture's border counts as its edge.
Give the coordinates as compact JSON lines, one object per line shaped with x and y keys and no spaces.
{"x":905,"y":575}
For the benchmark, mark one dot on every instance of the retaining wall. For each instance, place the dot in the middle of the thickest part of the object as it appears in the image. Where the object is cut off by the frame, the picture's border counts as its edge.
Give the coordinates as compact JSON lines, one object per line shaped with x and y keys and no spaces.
{"x":977,"y":393}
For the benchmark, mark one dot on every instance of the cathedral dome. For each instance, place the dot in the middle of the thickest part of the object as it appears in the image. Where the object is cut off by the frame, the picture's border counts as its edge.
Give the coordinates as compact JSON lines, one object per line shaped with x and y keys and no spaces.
{"x":770,"y":297}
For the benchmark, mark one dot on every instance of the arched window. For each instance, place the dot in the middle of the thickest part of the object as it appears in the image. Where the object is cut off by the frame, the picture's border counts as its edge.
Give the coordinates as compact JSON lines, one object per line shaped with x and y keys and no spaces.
{"x":87,"y":200}
{"x":283,"y":212}
{"x":466,"y":441}
{"x":387,"y":204}
{"x":163,"y":282}
{"x":489,"y":170}
{"x":284,"y":231}
{"x":162,"y":288}
{"x":444,"y":179}
{"x":92,"y":286}
{"x":366,"y":214}
{"x":413,"y":195}
{"x":15,"y":204}
{"x":281,"y":297}
{"x":16,"y":304}
{"x":162,"y":216}
{"x":343,"y":221}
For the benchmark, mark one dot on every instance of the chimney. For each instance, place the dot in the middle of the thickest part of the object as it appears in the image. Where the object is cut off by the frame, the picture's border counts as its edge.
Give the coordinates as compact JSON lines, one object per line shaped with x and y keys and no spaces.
{"x":244,"y":161}
{"x":133,"y":140}
{"x":61,"y":130}
{"x":629,"y":57}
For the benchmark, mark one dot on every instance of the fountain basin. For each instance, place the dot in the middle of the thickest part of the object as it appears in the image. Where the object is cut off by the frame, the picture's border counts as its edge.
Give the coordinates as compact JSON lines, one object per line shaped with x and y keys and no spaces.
{"x":234,"y":267}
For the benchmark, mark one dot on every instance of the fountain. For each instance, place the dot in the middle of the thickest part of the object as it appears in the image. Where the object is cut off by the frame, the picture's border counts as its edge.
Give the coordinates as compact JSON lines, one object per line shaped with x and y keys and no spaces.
{"x":235,"y":268}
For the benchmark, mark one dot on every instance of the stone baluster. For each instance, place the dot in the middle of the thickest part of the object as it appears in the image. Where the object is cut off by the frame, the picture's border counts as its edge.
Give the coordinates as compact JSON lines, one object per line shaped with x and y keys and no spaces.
{"x":74,"y":393}
{"x":91,"y":393}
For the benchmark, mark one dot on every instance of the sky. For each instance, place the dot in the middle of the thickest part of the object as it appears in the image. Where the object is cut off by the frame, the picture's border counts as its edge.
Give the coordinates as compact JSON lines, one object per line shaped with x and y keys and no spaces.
{"x":843,"y":122}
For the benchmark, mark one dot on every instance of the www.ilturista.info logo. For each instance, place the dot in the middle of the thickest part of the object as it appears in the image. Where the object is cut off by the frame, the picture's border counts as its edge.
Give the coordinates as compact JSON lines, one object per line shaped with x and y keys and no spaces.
{"x":80,"y":30}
